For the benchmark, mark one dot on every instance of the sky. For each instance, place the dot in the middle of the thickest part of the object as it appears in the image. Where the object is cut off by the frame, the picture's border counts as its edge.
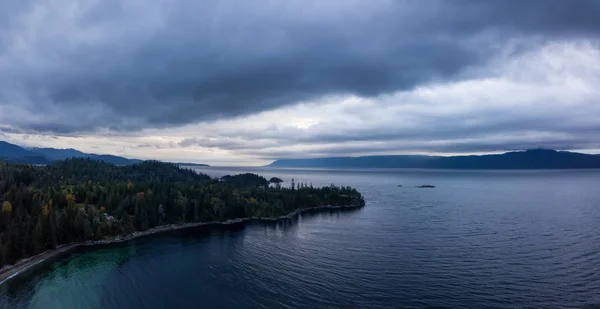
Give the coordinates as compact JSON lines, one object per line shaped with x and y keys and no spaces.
{"x":247,"y":82}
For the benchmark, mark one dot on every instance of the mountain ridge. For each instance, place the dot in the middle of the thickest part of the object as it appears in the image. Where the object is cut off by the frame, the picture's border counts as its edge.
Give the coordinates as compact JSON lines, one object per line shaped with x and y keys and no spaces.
{"x":38,"y":155}
{"x":528,"y":159}
{"x":16,"y":154}
{"x":57,"y":154}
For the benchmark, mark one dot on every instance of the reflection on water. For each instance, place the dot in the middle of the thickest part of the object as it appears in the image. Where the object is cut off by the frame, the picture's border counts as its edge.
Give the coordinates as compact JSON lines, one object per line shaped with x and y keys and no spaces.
{"x":478,"y":240}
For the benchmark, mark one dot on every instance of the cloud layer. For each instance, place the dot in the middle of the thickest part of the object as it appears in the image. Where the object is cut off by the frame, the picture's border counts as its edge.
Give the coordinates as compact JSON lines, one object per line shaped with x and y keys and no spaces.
{"x":268,"y":79}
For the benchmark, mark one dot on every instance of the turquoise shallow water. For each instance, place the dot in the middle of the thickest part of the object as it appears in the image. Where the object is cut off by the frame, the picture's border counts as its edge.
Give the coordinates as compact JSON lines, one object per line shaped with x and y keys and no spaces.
{"x":511,"y":239}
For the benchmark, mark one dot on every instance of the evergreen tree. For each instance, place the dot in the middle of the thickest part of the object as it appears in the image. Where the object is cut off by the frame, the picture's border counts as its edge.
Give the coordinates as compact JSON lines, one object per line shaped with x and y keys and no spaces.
{"x":74,"y":200}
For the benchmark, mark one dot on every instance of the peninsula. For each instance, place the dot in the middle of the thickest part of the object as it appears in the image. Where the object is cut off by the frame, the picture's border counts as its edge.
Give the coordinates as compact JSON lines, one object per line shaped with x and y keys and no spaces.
{"x":53,"y":208}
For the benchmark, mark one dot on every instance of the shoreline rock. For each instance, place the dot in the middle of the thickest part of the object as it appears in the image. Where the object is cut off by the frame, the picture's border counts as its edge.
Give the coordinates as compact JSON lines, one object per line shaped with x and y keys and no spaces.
{"x":22,"y":267}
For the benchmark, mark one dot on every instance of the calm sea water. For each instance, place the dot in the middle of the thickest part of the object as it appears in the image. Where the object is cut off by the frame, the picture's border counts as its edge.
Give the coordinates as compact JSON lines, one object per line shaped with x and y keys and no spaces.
{"x":511,"y":239}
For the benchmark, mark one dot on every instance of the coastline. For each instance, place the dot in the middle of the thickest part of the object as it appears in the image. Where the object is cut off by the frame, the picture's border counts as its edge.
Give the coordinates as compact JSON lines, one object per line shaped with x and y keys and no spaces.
{"x":23,"y":266}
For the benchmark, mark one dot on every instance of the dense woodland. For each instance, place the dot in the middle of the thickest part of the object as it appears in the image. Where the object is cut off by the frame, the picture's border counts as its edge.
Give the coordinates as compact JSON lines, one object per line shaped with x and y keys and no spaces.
{"x":81,"y":199}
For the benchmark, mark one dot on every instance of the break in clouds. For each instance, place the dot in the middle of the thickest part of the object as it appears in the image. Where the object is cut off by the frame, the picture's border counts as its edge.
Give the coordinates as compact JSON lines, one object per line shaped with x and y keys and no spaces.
{"x":258,"y":80}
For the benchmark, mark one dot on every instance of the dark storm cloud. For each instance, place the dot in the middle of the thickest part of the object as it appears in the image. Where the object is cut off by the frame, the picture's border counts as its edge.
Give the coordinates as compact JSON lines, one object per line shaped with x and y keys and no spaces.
{"x":4,"y":130}
{"x":540,"y":121}
{"x":229,"y":143}
{"x":438,"y":127}
{"x":68,"y":66}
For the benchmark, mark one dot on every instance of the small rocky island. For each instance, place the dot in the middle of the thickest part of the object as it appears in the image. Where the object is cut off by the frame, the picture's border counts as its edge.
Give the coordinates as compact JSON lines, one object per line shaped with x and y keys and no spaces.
{"x":425,"y":186}
{"x":86,"y":202}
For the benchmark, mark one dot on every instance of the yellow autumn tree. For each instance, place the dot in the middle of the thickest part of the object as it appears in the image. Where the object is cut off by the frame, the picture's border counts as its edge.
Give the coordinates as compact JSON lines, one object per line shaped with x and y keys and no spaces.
{"x":7,"y":207}
{"x":70,"y":199}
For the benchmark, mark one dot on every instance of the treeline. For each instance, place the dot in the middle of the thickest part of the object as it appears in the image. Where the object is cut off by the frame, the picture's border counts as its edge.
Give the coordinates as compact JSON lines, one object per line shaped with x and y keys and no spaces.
{"x":81,"y":199}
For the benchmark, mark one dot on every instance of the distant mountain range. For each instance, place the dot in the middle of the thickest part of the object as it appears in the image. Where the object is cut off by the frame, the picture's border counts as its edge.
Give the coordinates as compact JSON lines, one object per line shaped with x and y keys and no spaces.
{"x":16,"y":154}
{"x":529,"y":159}
{"x":53,"y":154}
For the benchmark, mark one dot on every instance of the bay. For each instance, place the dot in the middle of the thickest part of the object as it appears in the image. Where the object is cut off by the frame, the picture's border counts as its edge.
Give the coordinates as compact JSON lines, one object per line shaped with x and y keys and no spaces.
{"x":480,"y":239}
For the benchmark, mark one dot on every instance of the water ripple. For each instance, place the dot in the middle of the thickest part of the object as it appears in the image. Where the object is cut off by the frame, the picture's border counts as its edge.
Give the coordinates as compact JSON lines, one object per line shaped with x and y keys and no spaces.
{"x":479,"y":240}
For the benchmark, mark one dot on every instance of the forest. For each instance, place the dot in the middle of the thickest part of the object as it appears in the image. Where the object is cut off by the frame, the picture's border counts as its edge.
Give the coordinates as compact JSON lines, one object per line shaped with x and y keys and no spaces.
{"x":82,"y":199}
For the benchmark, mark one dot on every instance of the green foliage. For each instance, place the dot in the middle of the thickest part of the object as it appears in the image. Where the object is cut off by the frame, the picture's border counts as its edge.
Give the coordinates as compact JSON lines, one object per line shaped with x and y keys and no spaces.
{"x":245,"y":180}
{"x":275,"y":180}
{"x":81,"y":199}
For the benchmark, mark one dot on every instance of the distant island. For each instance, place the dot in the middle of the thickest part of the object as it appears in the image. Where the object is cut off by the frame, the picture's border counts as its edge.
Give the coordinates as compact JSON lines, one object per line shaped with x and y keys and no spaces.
{"x":183,"y":164}
{"x":16,"y":154}
{"x":85,"y":201}
{"x":528,"y":159}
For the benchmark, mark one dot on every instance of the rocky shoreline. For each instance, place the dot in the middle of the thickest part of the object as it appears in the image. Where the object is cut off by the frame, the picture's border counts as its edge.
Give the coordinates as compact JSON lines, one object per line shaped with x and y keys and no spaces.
{"x":11,"y":272}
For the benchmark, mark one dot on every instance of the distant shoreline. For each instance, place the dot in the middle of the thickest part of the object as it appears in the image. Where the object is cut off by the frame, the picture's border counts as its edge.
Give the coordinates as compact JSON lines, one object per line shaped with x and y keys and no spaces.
{"x":23,"y":266}
{"x":532,"y":159}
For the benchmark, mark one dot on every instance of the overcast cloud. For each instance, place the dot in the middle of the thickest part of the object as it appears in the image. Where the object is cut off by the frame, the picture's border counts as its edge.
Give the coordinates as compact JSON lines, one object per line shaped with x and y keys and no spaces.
{"x":250,"y":81}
